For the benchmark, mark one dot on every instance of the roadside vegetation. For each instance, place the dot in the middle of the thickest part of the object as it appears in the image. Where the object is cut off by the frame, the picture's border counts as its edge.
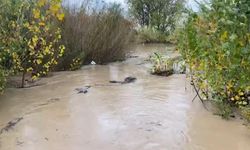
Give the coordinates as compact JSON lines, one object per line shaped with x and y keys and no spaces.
{"x":40,"y":36}
{"x":215,"y":43}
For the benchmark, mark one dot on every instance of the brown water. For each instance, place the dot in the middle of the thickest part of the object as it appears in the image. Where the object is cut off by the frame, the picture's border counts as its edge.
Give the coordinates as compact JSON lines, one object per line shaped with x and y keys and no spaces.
{"x":154,"y":113}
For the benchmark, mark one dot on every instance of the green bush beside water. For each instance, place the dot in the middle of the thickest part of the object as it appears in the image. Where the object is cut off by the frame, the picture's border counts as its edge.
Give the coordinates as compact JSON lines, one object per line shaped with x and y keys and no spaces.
{"x":215,"y":43}
{"x":150,"y":35}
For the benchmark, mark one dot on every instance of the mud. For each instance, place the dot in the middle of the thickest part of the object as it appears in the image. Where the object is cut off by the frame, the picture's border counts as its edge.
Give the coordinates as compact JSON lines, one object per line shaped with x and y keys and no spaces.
{"x":153,"y":113}
{"x":11,"y":124}
{"x":127,"y":80}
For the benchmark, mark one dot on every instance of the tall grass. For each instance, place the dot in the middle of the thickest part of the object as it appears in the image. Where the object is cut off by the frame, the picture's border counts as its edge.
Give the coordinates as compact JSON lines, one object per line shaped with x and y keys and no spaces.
{"x":99,"y":34}
{"x":150,"y":35}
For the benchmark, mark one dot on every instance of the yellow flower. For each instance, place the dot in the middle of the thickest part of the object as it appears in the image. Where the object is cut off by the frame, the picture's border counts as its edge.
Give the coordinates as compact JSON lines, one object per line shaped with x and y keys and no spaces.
{"x":55,"y":8}
{"x":36,"y":29}
{"x":35,"y":39}
{"x":241,"y":93}
{"x":29,"y":69}
{"x":34,"y":77}
{"x":237,"y":97}
{"x":26,"y":25}
{"x":229,"y":86}
{"x":13,"y":24}
{"x":60,"y":16}
{"x":38,"y":61}
{"x":241,"y":43}
{"x":41,"y":24}
{"x":220,"y":67}
{"x":62,"y":48}
{"x":47,"y":50}
{"x":59,"y":36}
{"x":248,"y":88}
{"x":224,"y":36}
{"x":41,"y":2}
{"x":36,"y":13}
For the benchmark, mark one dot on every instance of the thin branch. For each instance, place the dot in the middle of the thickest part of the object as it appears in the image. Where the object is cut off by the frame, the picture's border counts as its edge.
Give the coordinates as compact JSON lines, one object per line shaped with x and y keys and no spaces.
{"x":197,"y":92}
{"x":195,"y":96}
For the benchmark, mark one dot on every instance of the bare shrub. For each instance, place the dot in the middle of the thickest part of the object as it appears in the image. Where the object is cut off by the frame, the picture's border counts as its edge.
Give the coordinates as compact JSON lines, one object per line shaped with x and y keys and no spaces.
{"x":99,"y":35}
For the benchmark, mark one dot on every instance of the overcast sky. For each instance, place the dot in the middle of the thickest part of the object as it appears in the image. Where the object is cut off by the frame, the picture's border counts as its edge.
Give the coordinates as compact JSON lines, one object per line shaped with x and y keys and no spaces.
{"x":191,"y":3}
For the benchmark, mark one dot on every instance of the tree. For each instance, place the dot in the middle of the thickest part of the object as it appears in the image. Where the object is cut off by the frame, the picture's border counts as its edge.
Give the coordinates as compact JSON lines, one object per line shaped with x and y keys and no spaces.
{"x":158,"y":14}
{"x":140,"y":11}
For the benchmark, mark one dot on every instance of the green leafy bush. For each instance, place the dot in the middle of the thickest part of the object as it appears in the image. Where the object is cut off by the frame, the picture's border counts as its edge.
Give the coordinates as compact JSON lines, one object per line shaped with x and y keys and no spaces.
{"x":2,"y":80}
{"x":215,"y":42}
{"x":150,"y":35}
{"x":245,"y":111}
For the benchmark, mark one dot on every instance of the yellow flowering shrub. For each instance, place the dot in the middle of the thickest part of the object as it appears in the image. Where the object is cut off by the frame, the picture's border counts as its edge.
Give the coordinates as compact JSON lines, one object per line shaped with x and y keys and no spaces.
{"x":32,"y":37}
{"x":76,"y":64}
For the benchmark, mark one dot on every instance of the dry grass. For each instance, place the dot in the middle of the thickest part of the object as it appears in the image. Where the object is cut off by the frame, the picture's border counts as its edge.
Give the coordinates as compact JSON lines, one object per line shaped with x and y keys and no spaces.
{"x":101,"y":36}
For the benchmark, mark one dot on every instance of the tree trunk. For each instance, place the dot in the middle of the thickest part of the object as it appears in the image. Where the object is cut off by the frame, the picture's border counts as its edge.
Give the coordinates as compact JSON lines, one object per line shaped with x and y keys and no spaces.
{"x":23,"y":79}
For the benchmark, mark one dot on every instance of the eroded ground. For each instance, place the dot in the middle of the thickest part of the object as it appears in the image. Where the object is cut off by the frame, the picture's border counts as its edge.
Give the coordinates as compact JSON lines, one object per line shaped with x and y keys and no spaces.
{"x":154,"y":113}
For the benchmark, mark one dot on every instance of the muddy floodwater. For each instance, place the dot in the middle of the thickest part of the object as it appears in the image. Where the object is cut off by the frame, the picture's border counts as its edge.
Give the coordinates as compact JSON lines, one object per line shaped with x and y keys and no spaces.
{"x":153,"y":113}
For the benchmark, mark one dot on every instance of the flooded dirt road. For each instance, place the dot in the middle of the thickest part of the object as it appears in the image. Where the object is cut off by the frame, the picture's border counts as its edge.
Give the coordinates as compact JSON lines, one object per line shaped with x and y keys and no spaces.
{"x":154,"y":113}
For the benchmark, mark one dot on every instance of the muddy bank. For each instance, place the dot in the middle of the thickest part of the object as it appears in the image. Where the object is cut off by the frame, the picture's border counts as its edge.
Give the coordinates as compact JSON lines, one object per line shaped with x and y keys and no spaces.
{"x":152,"y":113}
